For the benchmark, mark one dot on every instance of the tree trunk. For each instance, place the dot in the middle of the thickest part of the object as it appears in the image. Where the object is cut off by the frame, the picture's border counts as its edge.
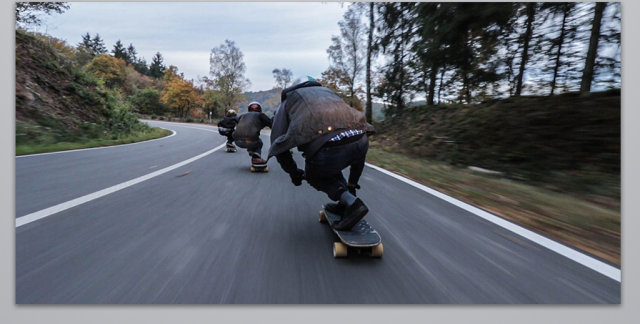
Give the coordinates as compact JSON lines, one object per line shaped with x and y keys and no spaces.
{"x":565,"y":13}
{"x":441,"y":82}
{"x":369,"y":108}
{"x":587,"y":74}
{"x":525,"y":51}
{"x":432,"y":85}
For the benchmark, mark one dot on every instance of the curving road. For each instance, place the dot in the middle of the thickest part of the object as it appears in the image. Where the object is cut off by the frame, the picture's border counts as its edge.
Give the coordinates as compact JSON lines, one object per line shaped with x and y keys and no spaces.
{"x":179,"y":220}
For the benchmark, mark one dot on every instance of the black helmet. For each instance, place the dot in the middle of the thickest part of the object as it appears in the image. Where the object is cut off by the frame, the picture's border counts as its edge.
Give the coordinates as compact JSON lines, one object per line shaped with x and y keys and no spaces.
{"x":230,"y":113}
{"x":254,"y":106}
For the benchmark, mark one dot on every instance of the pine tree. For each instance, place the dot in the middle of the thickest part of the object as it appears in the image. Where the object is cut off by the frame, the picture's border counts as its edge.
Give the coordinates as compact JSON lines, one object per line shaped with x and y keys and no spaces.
{"x":97,"y":45}
{"x":156,"y":68}
{"x":119,"y":51}
{"x":131,"y":54}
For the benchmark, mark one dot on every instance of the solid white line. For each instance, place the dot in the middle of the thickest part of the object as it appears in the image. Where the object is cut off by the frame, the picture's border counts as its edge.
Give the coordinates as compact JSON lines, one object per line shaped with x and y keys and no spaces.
{"x":98,"y":148}
{"x":26,"y":219}
{"x":596,"y":265}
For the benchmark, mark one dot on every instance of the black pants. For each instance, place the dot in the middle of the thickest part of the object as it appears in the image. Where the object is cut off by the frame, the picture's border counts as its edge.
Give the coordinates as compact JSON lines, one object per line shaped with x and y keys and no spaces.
{"x":230,"y":138}
{"x":324,"y":170}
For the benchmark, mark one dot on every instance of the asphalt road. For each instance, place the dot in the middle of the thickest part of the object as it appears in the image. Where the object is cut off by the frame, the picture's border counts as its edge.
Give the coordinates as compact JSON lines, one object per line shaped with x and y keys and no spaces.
{"x":210,"y":231}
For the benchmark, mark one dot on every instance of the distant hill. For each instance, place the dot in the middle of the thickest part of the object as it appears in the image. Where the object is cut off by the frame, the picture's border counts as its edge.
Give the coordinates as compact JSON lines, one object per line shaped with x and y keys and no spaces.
{"x":268,"y":99}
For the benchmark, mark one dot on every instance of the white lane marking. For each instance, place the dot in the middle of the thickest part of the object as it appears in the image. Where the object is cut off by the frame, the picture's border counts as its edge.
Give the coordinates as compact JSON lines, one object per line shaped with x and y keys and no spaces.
{"x":596,"y":265}
{"x":26,"y":219}
{"x":198,"y":128}
{"x":98,"y":148}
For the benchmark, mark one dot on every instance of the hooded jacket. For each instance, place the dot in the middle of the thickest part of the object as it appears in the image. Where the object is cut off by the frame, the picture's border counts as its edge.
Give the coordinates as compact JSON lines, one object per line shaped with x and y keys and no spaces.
{"x":308,"y":116}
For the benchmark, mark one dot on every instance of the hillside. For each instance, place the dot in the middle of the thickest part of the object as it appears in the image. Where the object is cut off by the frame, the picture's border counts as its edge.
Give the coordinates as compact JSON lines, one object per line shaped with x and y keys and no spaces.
{"x":59,"y":106}
{"x":53,"y":103}
{"x":567,"y":142}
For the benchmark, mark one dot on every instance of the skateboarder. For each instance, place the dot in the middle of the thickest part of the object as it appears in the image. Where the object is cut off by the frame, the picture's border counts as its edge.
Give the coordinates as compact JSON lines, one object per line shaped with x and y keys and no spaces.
{"x":247,"y":133}
{"x":331,"y":136}
{"x":226,"y":127}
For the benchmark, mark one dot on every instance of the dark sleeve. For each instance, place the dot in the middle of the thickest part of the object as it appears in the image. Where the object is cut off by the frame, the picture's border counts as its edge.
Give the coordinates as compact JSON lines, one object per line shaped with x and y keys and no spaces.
{"x":286,"y":162}
{"x":266,"y":121}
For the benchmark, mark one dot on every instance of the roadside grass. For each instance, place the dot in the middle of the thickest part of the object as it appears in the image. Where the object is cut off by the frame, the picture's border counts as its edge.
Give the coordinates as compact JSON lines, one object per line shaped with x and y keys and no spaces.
{"x":576,"y":221}
{"x":30,"y":148}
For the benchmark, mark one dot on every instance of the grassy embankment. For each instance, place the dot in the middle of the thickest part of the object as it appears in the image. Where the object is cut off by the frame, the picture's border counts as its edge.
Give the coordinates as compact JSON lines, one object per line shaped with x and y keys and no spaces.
{"x":32,"y":148}
{"x":565,"y":186}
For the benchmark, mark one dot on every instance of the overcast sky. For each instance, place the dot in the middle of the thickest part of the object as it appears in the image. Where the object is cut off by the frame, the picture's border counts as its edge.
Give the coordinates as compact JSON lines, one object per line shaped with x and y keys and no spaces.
{"x":293,"y":35}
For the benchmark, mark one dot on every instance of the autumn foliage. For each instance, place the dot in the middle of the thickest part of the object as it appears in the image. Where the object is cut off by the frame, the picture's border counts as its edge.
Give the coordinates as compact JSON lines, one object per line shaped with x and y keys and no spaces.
{"x":109,"y":69}
{"x":179,"y":94}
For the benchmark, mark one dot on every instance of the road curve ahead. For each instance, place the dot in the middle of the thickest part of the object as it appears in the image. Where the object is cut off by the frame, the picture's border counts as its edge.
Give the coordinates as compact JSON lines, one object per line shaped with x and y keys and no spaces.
{"x":179,"y":220}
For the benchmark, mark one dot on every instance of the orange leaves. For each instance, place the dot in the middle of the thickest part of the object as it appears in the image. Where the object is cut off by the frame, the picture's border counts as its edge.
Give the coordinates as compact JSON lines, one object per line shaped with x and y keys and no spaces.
{"x":179,"y":94}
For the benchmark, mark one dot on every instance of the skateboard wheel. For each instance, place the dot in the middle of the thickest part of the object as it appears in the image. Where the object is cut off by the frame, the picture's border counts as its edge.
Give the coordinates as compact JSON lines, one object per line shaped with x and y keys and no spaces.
{"x":377,"y":250}
{"x":339,"y":250}
{"x":266,"y":169}
{"x":322,"y":217}
{"x":253,"y":169}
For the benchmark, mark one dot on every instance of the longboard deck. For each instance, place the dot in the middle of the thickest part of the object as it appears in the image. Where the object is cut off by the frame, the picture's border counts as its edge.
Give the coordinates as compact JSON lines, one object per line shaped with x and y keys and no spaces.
{"x":259,"y":168}
{"x":360,"y":235}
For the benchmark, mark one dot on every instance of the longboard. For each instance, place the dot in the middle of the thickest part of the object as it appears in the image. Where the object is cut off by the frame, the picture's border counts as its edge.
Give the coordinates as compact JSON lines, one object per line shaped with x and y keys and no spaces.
{"x":361,"y":236}
{"x":259,"y":168}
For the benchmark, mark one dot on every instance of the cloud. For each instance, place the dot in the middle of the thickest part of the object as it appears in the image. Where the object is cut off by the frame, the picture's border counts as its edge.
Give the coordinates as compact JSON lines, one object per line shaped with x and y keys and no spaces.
{"x":293,"y":35}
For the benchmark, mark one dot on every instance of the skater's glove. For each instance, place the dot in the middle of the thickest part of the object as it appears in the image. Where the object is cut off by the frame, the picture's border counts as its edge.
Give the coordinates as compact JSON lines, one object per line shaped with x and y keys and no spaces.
{"x":297,"y":177}
{"x":352,"y":188}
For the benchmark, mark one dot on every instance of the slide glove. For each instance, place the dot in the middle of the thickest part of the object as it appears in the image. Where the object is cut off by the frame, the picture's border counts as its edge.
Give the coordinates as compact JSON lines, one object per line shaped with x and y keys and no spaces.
{"x":352,"y":188}
{"x":297,"y":177}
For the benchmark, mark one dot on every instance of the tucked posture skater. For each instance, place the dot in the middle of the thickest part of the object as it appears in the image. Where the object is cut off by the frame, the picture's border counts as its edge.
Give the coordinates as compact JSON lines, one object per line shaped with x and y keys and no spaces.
{"x":226,"y":127}
{"x":331,"y":136}
{"x":247,"y":133}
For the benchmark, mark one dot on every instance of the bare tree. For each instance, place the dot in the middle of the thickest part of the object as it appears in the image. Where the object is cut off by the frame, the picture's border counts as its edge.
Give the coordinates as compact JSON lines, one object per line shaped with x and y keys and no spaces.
{"x":348,"y":50}
{"x":226,"y":68}
{"x":283,"y":77}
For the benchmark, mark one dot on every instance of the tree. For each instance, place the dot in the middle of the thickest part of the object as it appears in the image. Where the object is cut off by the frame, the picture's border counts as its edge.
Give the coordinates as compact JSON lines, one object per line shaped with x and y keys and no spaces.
{"x":283,"y":77}
{"x":147,"y":101}
{"x":131,"y":54}
{"x":109,"y":69}
{"x":140,"y":65}
{"x":226,"y":68}
{"x":566,"y":33}
{"x":156,"y":68}
{"x":97,"y":45}
{"x":178,"y":93}
{"x":27,"y":12}
{"x":397,"y":22}
{"x":120,"y":52}
{"x":348,"y":49}
{"x":336,"y":80}
{"x":370,"y":54}
{"x":213,"y":103}
{"x":592,"y":52}
{"x":526,"y":39}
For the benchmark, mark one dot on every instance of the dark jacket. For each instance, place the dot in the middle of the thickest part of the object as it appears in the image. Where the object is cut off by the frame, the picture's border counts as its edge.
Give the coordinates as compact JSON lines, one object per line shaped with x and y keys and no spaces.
{"x":228,"y":122}
{"x":309,"y":116}
{"x":250,"y":124}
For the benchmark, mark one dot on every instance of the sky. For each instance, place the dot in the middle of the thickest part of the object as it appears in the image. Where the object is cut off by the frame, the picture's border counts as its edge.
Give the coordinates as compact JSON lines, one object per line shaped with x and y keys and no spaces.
{"x":292,"y":35}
